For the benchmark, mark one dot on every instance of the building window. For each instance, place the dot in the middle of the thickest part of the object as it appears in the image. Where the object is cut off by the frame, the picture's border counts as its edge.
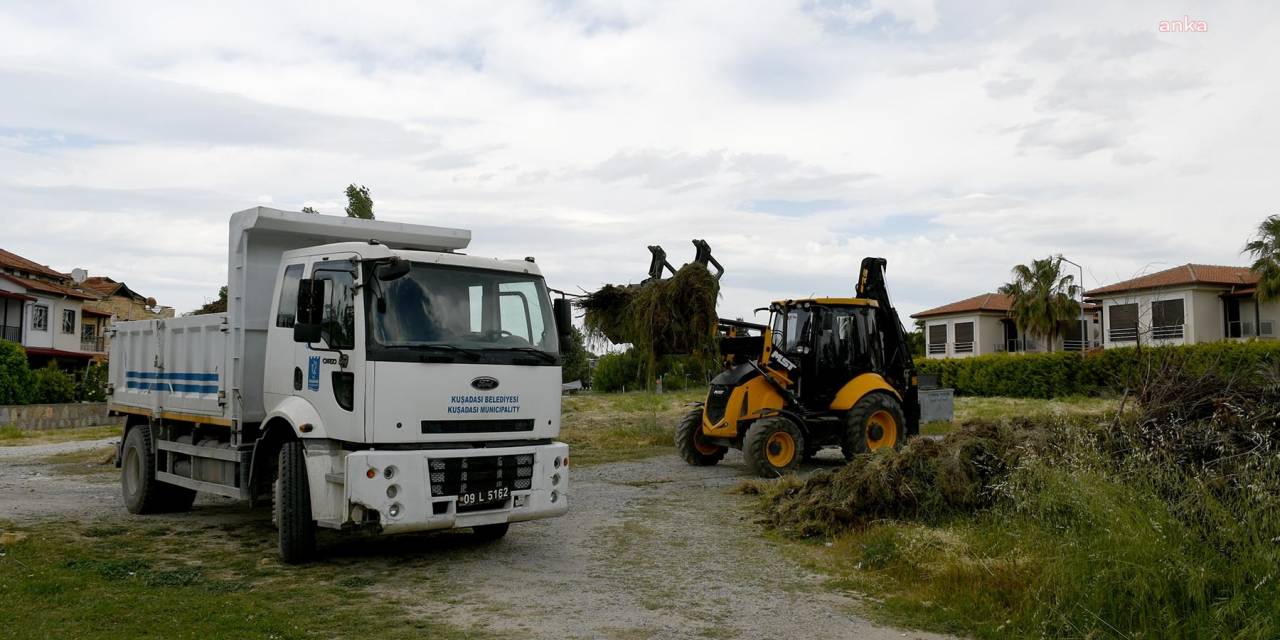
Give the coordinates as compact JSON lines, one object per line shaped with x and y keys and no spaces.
{"x":938,"y":338}
{"x":964,"y":337}
{"x":68,"y":320}
{"x":40,"y":318}
{"x":1123,"y":319}
{"x":288,"y":310}
{"x":1167,"y":319}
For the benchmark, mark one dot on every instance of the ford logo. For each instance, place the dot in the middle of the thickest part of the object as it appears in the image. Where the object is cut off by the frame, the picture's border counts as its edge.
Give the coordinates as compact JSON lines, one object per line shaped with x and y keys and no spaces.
{"x":484,"y":383}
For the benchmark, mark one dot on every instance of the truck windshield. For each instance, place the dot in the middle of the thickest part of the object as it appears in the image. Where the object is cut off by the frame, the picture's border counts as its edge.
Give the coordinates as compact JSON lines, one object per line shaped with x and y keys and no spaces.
{"x":463,"y":309}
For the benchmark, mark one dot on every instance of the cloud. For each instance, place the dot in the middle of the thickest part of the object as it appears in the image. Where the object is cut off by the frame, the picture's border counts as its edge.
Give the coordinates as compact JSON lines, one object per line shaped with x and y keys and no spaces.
{"x":1009,"y":87}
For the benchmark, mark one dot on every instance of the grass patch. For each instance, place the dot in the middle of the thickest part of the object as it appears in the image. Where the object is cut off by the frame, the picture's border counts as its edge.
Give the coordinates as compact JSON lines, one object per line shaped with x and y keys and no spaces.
{"x":99,"y":460}
{"x":969,"y":408}
{"x":609,"y":427}
{"x":11,"y":436}
{"x":56,"y":582}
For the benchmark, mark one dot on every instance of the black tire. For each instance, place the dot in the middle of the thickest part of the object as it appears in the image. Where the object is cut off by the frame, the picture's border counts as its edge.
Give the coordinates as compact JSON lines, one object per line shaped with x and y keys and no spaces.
{"x":491,"y":532}
{"x":690,"y":445}
{"x":859,"y":431}
{"x":763,"y":437}
{"x":297,"y":530}
{"x":142,"y":492}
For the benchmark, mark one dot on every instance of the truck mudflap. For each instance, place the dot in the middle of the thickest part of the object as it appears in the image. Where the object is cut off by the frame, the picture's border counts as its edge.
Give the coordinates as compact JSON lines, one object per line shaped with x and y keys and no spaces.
{"x":446,"y":488}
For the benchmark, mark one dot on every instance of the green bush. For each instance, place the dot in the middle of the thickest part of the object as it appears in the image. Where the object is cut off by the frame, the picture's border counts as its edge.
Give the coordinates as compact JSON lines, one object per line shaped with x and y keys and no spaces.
{"x":1050,"y":375}
{"x":53,"y":385}
{"x":91,"y":384}
{"x":15,"y":375}
{"x":618,"y":371}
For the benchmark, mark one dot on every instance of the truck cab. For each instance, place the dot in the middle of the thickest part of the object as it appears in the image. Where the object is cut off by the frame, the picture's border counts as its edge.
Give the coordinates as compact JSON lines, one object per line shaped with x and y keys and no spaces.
{"x":365,"y":385}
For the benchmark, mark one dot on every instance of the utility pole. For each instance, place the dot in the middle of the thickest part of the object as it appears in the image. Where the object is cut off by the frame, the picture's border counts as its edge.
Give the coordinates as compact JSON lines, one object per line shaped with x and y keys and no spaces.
{"x":1084,"y":326}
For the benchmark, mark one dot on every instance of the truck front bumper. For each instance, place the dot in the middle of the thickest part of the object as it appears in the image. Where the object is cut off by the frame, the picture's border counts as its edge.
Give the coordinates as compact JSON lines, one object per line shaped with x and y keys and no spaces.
{"x":420,"y":490}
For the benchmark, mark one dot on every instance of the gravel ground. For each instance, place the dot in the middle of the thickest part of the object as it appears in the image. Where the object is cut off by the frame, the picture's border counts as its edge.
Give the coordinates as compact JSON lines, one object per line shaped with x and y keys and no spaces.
{"x":650,"y":549}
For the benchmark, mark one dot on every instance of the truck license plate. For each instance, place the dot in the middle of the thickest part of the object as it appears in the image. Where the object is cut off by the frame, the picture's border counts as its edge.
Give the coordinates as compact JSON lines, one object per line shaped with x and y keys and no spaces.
{"x":473,"y":498}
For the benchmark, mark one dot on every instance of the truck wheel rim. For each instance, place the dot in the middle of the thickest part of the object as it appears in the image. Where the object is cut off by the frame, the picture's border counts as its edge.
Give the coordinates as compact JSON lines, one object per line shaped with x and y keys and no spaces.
{"x":882,"y":431}
{"x":780,"y":449}
{"x":132,"y":472}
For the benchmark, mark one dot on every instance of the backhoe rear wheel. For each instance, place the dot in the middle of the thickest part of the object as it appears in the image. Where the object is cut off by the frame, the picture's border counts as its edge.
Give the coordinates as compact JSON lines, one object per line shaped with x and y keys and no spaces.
{"x":772,"y":447}
{"x":691,"y":444}
{"x":874,"y":424}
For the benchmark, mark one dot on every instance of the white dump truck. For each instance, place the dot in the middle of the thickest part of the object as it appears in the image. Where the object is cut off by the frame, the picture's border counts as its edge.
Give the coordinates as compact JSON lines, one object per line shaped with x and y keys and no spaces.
{"x":365,"y":376}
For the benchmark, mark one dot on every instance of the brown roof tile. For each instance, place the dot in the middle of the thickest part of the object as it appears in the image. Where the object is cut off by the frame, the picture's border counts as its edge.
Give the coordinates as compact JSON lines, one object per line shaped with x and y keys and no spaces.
{"x":15,"y":261}
{"x":49,"y":287}
{"x":993,"y":302}
{"x":100,"y":285}
{"x":1187,"y":274}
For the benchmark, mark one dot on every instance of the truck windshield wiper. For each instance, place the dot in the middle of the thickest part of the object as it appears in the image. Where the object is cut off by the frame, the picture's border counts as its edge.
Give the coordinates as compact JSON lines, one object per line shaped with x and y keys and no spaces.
{"x":546,"y":357}
{"x":470,"y":353}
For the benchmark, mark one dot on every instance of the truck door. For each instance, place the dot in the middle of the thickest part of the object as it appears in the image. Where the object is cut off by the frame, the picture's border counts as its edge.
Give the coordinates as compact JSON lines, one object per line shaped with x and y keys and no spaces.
{"x":281,"y":375}
{"x":333,"y":369}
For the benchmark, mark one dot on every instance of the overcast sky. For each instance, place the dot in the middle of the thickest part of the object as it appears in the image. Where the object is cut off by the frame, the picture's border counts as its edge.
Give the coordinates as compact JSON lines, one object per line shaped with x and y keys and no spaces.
{"x":953,"y":139}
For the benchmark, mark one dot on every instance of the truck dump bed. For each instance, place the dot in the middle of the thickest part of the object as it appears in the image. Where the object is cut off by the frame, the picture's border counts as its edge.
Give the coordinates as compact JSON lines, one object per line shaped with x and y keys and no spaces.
{"x":211,"y":366}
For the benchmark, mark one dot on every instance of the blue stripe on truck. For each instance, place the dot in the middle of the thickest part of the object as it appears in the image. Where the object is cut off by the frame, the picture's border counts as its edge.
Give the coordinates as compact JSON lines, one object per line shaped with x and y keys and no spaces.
{"x":164,"y":375}
{"x":172,"y":387}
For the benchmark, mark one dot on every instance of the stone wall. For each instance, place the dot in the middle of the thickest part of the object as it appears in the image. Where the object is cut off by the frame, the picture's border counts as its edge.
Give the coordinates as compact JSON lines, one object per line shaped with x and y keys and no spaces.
{"x":57,"y":416}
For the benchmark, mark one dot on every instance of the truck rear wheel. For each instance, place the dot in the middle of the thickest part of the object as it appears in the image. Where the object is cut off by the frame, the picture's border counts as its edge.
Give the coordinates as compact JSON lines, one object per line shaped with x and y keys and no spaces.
{"x":876,"y":422}
{"x":297,"y":530}
{"x":690,"y":443}
{"x":772,"y":447}
{"x":143,"y":493}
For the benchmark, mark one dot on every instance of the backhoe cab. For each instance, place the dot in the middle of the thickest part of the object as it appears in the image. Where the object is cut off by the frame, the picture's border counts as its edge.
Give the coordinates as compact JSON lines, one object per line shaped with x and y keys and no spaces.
{"x":824,"y":372}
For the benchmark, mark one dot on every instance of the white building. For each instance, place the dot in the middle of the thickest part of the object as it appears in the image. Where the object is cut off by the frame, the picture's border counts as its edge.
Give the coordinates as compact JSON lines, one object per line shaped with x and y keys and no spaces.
{"x":981,"y":325}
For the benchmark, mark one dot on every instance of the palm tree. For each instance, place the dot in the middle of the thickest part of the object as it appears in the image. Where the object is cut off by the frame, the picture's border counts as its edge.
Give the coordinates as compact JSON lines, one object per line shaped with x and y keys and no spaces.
{"x":1265,"y":249}
{"x":1043,"y":298}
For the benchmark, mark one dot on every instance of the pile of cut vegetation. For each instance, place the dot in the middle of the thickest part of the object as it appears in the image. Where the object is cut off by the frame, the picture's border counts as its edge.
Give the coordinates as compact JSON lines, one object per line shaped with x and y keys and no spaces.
{"x":661,"y":317}
{"x":1155,"y":521}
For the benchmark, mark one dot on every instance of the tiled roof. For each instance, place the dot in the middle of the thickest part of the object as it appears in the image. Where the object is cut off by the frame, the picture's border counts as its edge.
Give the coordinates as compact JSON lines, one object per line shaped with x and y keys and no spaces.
{"x":15,"y":261}
{"x":49,"y":287}
{"x":993,"y":302}
{"x":102,"y":286}
{"x":1187,"y":274}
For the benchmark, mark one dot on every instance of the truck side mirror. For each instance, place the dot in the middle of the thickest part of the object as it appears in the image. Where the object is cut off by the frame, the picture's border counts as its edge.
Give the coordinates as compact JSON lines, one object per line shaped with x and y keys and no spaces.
{"x":564,"y":316}
{"x":394,"y":270}
{"x":306,"y":325}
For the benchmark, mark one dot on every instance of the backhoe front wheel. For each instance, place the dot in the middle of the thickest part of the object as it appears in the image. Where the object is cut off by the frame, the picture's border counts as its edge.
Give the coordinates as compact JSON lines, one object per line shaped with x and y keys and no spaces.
{"x":691,"y":444}
{"x":772,"y":447}
{"x":875,"y":423}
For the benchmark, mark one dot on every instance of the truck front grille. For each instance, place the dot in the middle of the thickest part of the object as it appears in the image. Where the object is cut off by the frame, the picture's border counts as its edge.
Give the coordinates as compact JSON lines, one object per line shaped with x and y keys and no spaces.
{"x":717,"y":400}
{"x":476,"y":426}
{"x":453,"y":476}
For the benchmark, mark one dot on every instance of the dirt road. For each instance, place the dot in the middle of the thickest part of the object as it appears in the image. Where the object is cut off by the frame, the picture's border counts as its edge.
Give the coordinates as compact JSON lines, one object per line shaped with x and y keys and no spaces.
{"x":650,"y":549}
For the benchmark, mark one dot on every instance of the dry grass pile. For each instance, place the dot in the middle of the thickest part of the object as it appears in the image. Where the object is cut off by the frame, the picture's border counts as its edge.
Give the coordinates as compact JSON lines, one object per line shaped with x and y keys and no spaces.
{"x":663,"y":317}
{"x":926,"y":480}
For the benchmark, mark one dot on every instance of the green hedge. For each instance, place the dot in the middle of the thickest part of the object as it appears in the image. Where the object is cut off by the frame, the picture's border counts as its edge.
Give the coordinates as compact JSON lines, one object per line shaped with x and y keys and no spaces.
{"x":1050,"y":375}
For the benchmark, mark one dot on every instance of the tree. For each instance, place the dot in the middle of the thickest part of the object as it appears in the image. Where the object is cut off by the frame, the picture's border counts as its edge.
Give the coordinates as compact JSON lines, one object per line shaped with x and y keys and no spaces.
{"x":1043,"y":299}
{"x":309,"y":209}
{"x":359,"y":202}
{"x":1265,"y":250}
{"x":15,"y":374}
{"x":915,"y":339}
{"x":216,"y":306}
{"x":574,"y":365}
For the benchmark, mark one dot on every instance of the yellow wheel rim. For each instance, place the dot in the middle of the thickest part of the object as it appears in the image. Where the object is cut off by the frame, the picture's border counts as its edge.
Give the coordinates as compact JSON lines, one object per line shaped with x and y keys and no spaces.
{"x":881,"y":431}
{"x":780,"y":449}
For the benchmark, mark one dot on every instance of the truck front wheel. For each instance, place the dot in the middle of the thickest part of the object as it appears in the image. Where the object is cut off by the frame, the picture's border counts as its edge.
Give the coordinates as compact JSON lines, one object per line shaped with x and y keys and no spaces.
{"x":297,"y":530}
{"x":143,"y":493}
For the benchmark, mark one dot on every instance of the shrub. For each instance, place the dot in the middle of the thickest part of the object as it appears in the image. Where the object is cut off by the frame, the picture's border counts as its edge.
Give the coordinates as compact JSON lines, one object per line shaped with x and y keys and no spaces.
{"x":15,"y":374}
{"x":618,"y":371}
{"x":52,"y":385}
{"x":91,"y":384}
{"x":1049,"y":375}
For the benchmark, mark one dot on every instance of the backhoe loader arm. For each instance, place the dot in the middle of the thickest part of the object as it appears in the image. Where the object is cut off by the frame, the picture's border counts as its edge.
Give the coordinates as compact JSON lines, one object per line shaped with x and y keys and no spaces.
{"x":898,"y":363}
